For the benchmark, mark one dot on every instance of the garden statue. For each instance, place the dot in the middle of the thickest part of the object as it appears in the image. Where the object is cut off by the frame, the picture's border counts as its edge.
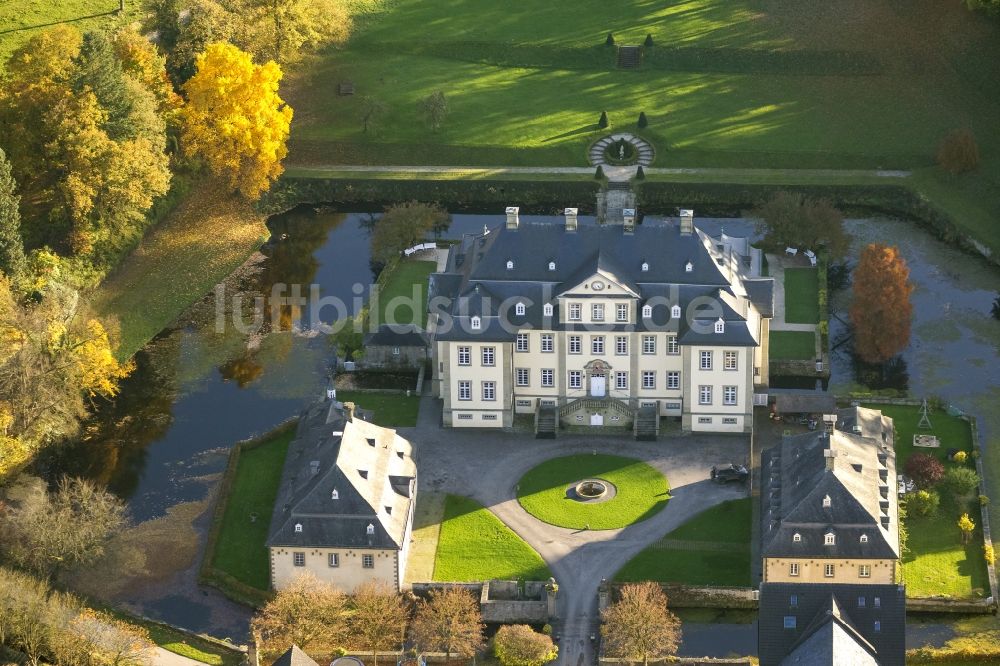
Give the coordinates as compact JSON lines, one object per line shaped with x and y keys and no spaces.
{"x":621,"y":150}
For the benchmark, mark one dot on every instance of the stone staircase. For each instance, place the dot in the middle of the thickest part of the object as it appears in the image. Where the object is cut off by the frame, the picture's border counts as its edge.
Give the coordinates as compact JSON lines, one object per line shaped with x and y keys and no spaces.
{"x":646,"y":426}
{"x":596,"y":405}
{"x":546,"y":422}
{"x":629,"y":57}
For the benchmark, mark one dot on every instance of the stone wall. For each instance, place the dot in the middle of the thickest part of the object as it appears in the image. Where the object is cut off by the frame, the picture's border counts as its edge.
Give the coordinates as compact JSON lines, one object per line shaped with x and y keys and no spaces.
{"x":502,"y":601}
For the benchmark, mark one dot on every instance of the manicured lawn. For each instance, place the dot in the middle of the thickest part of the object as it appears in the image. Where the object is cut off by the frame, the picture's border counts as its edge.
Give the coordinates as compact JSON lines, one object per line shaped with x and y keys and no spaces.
{"x":239,"y":550}
{"x":392,"y":410}
{"x":801,"y":296}
{"x":713,"y":548}
{"x":641,"y":492}
{"x":21,"y":19}
{"x":792,"y":345}
{"x":475,"y":545}
{"x":397,"y":296}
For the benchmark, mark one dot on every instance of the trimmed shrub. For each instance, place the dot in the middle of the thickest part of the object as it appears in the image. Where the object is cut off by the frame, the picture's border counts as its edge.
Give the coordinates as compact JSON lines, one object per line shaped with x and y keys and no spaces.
{"x":925,"y":470}
{"x":640,"y":174}
{"x":519,"y":645}
{"x":649,"y":40}
{"x":959,"y":152}
{"x":924,"y":502}
{"x":610,"y":41}
{"x":643,"y":122}
{"x":599,"y":173}
{"x":960,"y":482}
{"x":961,"y":457}
{"x":603,"y":120}
{"x":983,"y":500}
{"x":989,"y":554}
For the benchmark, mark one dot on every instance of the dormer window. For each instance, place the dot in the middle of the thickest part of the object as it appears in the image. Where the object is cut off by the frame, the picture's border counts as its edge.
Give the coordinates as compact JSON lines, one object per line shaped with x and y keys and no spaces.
{"x":863,"y":538}
{"x":334,"y":494}
{"x":675,"y":312}
{"x":510,"y":264}
{"x":688,"y":267}
{"x":826,"y":502}
{"x":547,"y":310}
{"x":552,"y":265}
{"x":796,"y":537}
{"x":829,"y":539}
{"x":720,"y":326}
{"x":477,"y":323}
{"x":371,"y":529}
{"x":645,"y":267}
{"x":647,"y":311}
{"x":298,"y":528}
{"x":519,"y":309}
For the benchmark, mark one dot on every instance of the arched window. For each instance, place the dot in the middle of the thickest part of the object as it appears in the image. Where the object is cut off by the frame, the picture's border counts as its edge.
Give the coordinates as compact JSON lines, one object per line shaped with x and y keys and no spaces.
{"x":547,"y":310}
{"x":510,"y":264}
{"x":552,"y":265}
{"x":298,"y":527}
{"x":647,"y":311}
{"x":796,"y":537}
{"x":519,"y":309}
{"x":645,"y":267}
{"x":720,"y":326}
{"x":477,"y":323}
{"x":675,"y":312}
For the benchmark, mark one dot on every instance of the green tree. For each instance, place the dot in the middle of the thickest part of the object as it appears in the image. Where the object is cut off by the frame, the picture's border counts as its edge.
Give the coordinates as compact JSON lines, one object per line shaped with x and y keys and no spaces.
{"x":281,"y":30}
{"x":961,"y":482}
{"x":791,"y":219}
{"x":405,"y":225}
{"x":12,"y":261}
{"x":924,"y":502}
{"x":99,"y":71}
{"x":435,"y":108}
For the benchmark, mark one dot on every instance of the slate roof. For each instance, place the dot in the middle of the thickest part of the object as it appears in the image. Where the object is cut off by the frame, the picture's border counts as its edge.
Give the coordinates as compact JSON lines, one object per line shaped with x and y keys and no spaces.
{"x":479,"y":283}
{"x":804,"y":402}
{"x":371,"y":469}
{"x":295,"y":657}
{"x":396,"y":336}
{"x":831,"y":626}
{"x":855,"y":470}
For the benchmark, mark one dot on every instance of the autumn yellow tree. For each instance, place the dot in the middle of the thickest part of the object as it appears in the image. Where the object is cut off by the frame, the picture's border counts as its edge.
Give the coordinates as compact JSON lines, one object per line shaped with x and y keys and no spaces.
{"x":881,"y":309}
{"x":965,"y":526}
{"x":234,"y":118}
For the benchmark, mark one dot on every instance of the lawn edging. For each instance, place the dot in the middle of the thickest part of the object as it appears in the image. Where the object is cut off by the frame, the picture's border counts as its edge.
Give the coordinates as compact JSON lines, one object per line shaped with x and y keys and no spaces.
{"x":208,"y":574}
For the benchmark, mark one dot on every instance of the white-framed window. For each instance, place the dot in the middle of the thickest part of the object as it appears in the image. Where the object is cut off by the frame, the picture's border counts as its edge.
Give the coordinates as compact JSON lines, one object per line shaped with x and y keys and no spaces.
{"x":621,"y":380}
{"x":649,"y":344}
{"x":548,"y":342}
{"x":705,"y":419}
{"x":597,"y":344}
{"x":829,"y":539}
{"x":672,"y":346}
{"x":522,"y":376}
{"x":647,"y":311}
{"x":878,"y":626}
{"x":796,"y":537}
{"x":489,"y":417}
{"x":793,"y":569}
{"x":675,"y":312}
{"x":827,"y":502}
{"x":575,"y":379}
{"x":519,"y":309}
{"x":729,"y":420}
{"x":704,"y":394}
{"x":729,"y":360}
{"x":877,"y":602}
{"x":489,"y":390}
{"x":465,"y":355}
{"x":673,"y":379}
{"x":552,"y":265}
{"x":510,"y":264}
{"x":370,"y":529}
{"x":720,"y":326}
{"x":862,"y":602}
{"x":828,"y":570}
{"x":575,"y":344}
{"x":465,"y":417}
{"x":788,"y":622}
{"x":729,"y":395}
{"x":575,"y":310}
{"x":299,"y":559}
{"x":298,"y":528}
{"x":333,"y":560}
{"x":521,"y":342}
{"x":547,"y":310}
{"x":706,"y":360}
{"x":863,"y":538}
{"x":334,"y":494}
{"x":465,"y":390}
{"x":688,"y":267}
{"x":368,"y":561}
{"x":476,"y":323}
{"x":793,"y":601}
{"x":864,"y":571}
{"x":621,"y":345}
{"x":489,"y":356}
{"x":597,"y":311}
{"x":648,"y":379}
{"x":548,"y":377}
{"x":395,"y":351}
{"x":621,"y":312}
{"x":645,"y":267}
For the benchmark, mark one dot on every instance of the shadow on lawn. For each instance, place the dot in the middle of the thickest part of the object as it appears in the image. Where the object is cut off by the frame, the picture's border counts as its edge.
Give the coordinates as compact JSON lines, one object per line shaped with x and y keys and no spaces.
{"x":586,"y":129}
{"x":52,"y":23}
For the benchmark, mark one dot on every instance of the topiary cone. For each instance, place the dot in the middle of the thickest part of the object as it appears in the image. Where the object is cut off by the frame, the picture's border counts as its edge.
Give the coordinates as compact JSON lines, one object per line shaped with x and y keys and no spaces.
{"x":610,"y":41}
{"x":643,"y":122}
{"x":603,"y":121}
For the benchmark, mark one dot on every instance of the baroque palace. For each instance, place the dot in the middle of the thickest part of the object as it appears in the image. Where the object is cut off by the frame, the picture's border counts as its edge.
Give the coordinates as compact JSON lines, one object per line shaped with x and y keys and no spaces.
{"x":601,"y":325}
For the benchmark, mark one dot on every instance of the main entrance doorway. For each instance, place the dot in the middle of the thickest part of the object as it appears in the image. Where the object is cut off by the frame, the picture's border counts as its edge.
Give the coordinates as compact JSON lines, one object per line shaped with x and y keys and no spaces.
{"x":598,"y":385}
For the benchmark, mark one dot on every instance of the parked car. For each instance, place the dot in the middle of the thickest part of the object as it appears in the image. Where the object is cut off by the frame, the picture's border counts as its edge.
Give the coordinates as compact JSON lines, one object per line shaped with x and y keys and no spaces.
{"x":728,"y":473}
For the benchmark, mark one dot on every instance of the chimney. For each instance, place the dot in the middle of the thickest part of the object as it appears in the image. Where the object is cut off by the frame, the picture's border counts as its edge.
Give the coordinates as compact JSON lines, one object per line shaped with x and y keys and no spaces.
{"x":829,"y":422}
{"x":512,"y":217}
{"x":349,"y":411}
{"x":687,"y":221}
{"x":628,"y":215}
{"x":570,"y":219}
{"x":831,"y":459}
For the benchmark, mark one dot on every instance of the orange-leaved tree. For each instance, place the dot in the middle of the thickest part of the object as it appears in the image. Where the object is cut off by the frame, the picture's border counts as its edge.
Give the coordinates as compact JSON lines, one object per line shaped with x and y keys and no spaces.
{"x":881,"y":309}
{"x":234,"y":118}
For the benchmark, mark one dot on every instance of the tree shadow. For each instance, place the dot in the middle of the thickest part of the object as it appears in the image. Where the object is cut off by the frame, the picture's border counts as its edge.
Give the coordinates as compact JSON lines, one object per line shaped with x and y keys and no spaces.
{"x":52,"y":23}
{"x":586,"y":129}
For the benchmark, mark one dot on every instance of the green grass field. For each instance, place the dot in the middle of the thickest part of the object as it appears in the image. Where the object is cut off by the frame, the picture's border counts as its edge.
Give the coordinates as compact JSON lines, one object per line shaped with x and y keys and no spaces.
{"x":392,"y":410}
{"x":20,"y":19}
{"x":938,"y":563}
{"x":475,"y":545}
{"x":801,"y":296}
{"x":641,"y":492}
{"x":792,"y":345}
{"x":240,"y":550}
{"x":398,"y":295}
{"x":713,"y":548}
